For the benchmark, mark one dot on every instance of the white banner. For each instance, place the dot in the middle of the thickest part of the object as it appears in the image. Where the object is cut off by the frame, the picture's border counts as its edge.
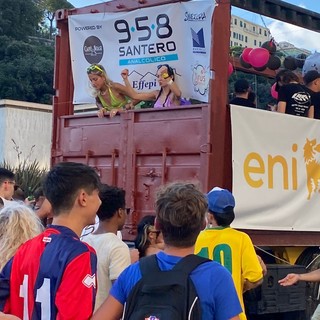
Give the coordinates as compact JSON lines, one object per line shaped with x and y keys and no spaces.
{"x":276,"y":170}
{"x":177,"y":34}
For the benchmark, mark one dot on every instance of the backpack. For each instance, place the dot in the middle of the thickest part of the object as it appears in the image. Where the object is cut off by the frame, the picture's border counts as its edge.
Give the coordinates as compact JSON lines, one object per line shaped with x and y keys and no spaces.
{"x":165,"y":295}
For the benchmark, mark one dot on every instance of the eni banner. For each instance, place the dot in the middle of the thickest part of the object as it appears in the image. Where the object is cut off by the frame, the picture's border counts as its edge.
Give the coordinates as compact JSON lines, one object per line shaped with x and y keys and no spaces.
{"x":177,"y":34}
{"x":276,"y":170}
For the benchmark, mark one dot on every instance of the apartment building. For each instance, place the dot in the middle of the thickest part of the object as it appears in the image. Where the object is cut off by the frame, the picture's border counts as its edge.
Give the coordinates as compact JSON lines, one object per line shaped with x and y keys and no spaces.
{"x":244,"y":33}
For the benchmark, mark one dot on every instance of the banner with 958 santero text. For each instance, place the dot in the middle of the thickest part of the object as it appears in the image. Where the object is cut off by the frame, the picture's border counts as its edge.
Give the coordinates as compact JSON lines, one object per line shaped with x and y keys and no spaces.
{"x":177,"y":34}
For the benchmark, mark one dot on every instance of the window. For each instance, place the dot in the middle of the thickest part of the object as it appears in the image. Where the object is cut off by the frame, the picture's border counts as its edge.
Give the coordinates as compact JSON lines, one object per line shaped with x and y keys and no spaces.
{"x":265,"y":33}
{"x":241,"y":24}
{"x":244,"y":25}
{"x":255,"y":42}
{"x":260,"y":31}
{"x":230,"y":43}
{"x":235,"y":21}
{"x":260,"y":43}
{"x":246,"y":39}
{"x":254,"y":28}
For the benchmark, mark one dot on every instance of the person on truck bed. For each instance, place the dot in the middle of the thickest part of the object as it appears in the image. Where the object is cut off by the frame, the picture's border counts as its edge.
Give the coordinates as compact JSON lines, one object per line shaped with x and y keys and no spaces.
{"x":112,"y":96}
{"x":293,"y":97}
{"x":169,"y":94}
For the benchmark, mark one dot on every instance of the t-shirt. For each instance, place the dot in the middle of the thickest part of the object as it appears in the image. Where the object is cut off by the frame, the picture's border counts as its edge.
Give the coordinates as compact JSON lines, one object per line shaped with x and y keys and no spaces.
{"x":316,"y":103}
{"x":234,"y":250}
{"x":113,"y":257}
{"x":297,"y":97}
{"x":213,"y":283}
{"x":242,"y":102}
{"x":52,"y":276}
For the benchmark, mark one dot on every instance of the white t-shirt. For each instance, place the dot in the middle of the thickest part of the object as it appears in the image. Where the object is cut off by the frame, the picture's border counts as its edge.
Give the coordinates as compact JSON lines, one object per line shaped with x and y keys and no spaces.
{"x":113,"y":257}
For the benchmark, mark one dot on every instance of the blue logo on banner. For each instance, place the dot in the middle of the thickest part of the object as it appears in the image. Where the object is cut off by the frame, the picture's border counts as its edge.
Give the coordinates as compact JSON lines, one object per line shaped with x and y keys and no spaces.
{"x":198,"y":41}
{"x":146,"y":60}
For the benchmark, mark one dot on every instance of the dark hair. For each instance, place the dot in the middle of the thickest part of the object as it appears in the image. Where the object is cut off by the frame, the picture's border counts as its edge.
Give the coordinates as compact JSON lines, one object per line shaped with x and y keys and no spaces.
{"x":141,"y":241}
{"x":286,"y":76}
{"x":112,"y":199}
{"x":224,"y":219}
{"x":38,"y":193}
{"x":6,"y":174}
{"x":170,"y":70}
{"x":64,"y":181}
{"x":180,"y":210}
{"x":241,"y":86}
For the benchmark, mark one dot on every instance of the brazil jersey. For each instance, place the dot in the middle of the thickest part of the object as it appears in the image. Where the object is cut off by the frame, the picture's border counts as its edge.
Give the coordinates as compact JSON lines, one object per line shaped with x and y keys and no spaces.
{"x":235,"y":251}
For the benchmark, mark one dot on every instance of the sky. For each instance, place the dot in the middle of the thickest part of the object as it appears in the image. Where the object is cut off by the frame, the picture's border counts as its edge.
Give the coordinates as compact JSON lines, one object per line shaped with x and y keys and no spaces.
{"x":280,"y":31}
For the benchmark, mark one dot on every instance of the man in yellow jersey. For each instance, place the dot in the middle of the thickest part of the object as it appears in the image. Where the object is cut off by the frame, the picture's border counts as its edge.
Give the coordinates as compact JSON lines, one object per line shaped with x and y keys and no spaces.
{"x":232,"y":248}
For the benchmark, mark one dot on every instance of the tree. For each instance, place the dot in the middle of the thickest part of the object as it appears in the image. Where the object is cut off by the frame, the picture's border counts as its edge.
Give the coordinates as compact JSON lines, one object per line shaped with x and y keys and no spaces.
{"x":19,"y":18}
{"x":49,"y":8}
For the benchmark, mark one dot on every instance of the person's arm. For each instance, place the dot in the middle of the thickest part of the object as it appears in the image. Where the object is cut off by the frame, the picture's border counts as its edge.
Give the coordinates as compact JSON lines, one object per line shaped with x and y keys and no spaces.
{"x":282,"y":107}
{"x":311,"y":112}
{"x":111,"y":309}
{"x":293,"y":278}
{"x":131,"y":93}
{"x":251,"y":285}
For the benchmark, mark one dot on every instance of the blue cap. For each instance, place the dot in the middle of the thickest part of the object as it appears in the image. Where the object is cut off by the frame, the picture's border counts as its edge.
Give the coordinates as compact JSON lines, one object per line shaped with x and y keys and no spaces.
{"x":220,"y":200}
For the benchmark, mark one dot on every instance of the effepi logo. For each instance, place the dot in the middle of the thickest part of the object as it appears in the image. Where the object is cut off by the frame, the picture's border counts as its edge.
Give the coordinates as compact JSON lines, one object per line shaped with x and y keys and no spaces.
{"x":259,"y":171}
{"x":198,"y":41}
{"x":200,"y":79}
{"x":93,"y":49}
{"x":194,"y":16}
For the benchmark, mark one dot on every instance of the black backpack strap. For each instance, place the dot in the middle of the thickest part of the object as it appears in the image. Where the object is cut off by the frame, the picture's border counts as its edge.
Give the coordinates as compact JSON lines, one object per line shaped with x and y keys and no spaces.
{"x":189,"y":263}
{"x":149,"y":264}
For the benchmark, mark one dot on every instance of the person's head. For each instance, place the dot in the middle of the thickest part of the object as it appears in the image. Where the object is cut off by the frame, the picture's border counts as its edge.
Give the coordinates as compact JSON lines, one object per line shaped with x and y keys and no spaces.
{"x":18,"y":223}
{"x":113,"y":205}
{"x":7,"y":183}
{"x":312,"y":80}
{"x":19,"y":194}
{"x":73,"y":186}
{"x":284,"y":77}
{"x":98,"y":76}
{"x":180,"y":213}
{"x":147,"y":235}
{"x":221,"y":205}
{"x":241,"y":87}
{"x":164,"y":72}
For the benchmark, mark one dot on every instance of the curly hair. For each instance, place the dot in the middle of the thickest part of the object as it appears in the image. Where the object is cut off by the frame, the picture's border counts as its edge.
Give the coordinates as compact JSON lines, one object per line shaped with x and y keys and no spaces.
{"x":18,"y":223}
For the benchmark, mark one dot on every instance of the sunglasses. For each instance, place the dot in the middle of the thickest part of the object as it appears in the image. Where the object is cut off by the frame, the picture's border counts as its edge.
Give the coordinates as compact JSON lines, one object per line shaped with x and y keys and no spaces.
{"x":94,"y":67}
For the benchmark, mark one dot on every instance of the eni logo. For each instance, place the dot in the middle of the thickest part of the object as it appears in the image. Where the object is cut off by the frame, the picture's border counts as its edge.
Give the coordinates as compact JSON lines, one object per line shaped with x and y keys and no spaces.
{"x":310,"y":150}
{"x":258,"y":171}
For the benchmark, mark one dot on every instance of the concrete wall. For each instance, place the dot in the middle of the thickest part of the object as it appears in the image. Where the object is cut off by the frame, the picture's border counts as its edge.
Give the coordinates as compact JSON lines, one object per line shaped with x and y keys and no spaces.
{"x":28,"y":125}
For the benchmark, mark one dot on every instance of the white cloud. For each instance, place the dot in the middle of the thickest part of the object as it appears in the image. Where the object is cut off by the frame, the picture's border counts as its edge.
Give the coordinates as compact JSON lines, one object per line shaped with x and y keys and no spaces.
{"x":301,"y":38}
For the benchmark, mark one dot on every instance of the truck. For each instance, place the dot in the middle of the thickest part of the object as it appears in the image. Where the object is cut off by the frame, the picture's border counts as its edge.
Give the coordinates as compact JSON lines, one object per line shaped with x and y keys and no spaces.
{"x":267,"y":159}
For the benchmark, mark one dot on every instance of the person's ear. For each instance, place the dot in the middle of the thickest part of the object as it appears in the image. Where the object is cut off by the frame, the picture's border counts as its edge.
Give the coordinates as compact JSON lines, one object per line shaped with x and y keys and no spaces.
{"x":82,"y":198}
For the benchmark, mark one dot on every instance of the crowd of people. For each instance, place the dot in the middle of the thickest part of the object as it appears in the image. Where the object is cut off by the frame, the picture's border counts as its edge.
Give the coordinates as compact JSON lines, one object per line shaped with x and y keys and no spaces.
{"x":47,"y":272}
{"x":294,"y":96}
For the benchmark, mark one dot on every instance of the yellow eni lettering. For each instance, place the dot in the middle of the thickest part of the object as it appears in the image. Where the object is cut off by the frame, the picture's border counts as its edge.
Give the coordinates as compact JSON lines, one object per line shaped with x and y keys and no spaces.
{"x":254,"y":169}
{"x":253,"y":164}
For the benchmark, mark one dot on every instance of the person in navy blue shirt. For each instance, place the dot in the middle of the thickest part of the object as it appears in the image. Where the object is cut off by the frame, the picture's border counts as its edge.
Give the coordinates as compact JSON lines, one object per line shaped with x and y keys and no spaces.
{"x":53,"y":276}
{"x":180,"y":216}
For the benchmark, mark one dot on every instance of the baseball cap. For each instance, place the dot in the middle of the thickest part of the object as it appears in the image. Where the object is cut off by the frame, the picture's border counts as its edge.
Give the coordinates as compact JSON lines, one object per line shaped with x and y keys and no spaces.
{"x":220,"y":200}
{"x":241,"y":86}
{"x":311,"y":76}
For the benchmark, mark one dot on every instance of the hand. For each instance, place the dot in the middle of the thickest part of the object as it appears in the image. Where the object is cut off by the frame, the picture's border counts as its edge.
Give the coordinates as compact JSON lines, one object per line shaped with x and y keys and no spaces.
{"x":101,"y":113}
{"x":124,"y":74}
{"x":8,"y":317}
{"x":289,"y":280}
{"x":113,"y":112}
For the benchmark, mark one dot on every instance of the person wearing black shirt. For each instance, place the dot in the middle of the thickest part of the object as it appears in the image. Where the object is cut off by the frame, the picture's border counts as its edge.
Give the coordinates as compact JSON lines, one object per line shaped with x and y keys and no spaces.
{"x":242,"y":90}
{"x":294,"y":98}
{"x":312,"y":82}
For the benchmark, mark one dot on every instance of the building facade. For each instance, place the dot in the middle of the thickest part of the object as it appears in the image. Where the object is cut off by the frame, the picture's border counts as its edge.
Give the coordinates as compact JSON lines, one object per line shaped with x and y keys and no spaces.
{"x":244,"y":33}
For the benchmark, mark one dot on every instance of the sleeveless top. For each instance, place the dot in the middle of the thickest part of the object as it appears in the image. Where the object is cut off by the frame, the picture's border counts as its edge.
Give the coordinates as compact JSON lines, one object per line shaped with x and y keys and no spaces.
{"x":115,"y":102}
{"x":169,"y":102}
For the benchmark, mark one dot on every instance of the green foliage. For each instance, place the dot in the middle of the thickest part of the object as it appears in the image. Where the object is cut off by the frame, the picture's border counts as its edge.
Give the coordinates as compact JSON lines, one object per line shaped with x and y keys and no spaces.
{"x":19,"y":18}
{"x":28,"y":174}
